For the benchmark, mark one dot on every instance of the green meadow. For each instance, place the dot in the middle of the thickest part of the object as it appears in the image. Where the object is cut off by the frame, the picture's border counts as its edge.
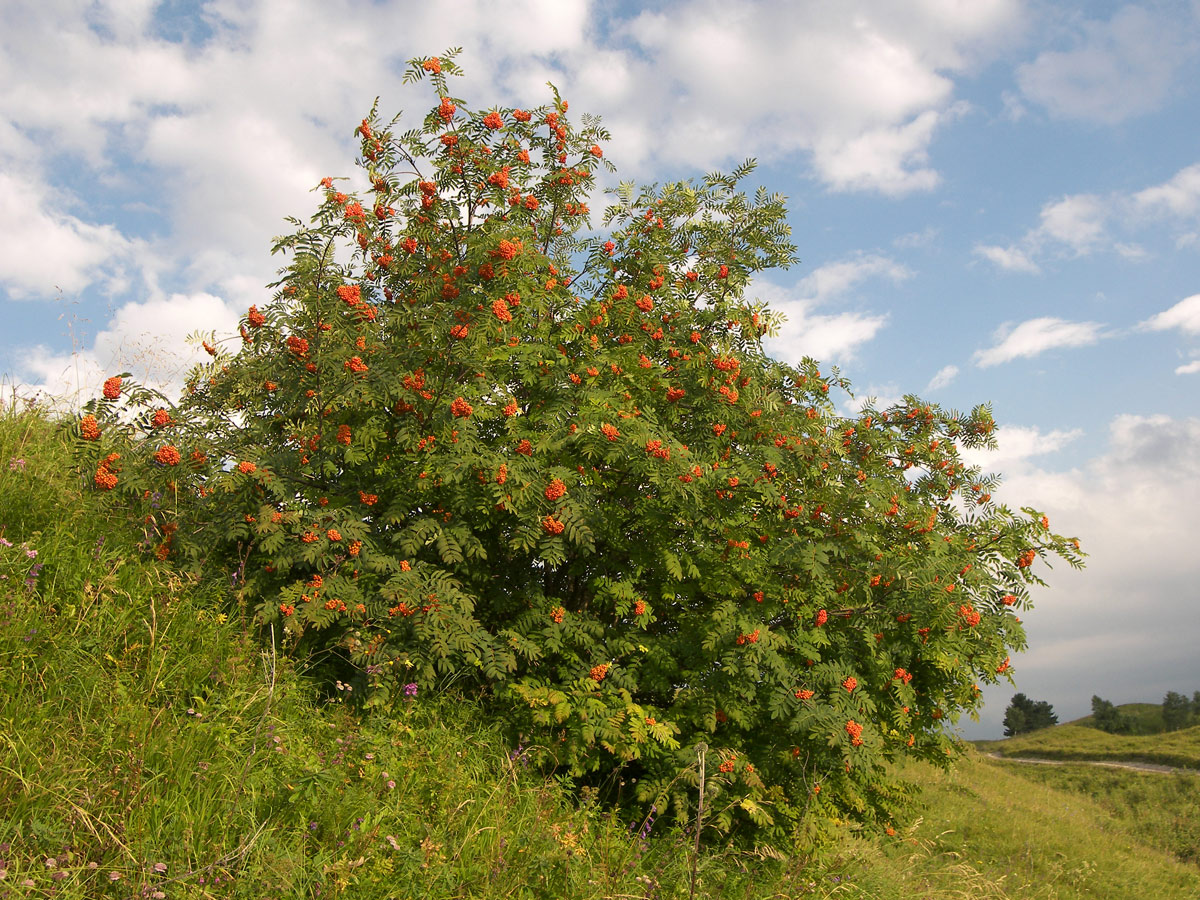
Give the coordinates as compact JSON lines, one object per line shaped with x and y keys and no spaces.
{"x":152,"y":746}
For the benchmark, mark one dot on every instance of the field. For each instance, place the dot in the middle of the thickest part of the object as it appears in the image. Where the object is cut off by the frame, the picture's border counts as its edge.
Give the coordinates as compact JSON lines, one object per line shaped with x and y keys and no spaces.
{"x":151,"y":747}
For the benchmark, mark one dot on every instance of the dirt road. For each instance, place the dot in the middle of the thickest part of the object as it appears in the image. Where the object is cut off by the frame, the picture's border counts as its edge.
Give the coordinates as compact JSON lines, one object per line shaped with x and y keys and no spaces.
{"x":1121,"y":764}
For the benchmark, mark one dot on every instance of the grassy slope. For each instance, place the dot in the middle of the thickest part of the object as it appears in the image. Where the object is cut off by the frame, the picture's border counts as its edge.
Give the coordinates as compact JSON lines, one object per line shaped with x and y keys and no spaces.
{"x":149,"y":746}
{"x":1078,"y":742}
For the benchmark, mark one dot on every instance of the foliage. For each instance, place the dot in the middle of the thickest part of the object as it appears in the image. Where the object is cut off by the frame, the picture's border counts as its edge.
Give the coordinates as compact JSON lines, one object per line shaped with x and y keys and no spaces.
{"x":1107,"y":717}
{"x":467,"y":441}
{"x":1024,"y":715}
{"x":1176,"y":711}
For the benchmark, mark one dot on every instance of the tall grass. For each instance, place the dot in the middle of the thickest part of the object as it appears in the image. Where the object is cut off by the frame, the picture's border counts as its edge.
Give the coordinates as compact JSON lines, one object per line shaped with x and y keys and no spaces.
{"x":153,"y":746}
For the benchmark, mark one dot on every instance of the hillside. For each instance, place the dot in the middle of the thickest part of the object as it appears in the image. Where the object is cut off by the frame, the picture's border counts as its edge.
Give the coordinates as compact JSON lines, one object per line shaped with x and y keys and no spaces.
{"x":151,"y":745}
{"x":1079,"y":742}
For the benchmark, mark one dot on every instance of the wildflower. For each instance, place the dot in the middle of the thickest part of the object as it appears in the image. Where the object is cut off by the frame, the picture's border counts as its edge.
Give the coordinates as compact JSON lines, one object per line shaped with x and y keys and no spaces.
{"x":89,"y":428}
{"x":112,"y":387}
{"x":167,"y":455}
{"x":410,"y":691}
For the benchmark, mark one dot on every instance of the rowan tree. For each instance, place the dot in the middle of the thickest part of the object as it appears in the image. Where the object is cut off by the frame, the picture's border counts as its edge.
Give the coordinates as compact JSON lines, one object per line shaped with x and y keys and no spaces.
{"x":468,"y":440}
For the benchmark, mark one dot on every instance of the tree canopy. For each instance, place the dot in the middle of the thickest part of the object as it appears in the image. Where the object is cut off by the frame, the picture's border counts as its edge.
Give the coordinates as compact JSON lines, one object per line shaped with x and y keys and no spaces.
{"x":468,"y":441}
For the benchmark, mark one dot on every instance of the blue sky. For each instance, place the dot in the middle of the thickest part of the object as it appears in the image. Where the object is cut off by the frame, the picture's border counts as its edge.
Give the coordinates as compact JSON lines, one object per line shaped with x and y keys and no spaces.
{"x":996,"y":200}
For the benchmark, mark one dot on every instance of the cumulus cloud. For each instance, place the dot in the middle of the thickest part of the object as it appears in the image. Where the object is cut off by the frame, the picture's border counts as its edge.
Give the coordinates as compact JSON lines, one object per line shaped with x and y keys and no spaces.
{"x":944,"y":377}
{"x":1015,"y":444}
{"x":1082,"y":224}
{"x":1013,"y":259}
{"x":828,"y":336}
{"x":1076,"y":221}
{"x":1188,"y":368}
{"x":148,"y":339}
{"x":1184,"y":315}
{"x":47,"y":248}
{"x":1035,"y":336}
{"x":1178,"y":196}
{"x":1116,"y":69}
{"x":1111,"y":629}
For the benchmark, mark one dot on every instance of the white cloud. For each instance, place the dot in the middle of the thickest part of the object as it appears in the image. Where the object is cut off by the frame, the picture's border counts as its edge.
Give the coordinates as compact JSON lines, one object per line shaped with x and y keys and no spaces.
{"x":1036,"y":336}
{"x":1117,"y":69}
{"x":1080,"y":224}
{"x":1013,"y":259}
{"x":806,"y":332}
{"x":1178,"y":196}
{"x":1077,"y":221}
{"x":944,"y":377}
{"x":147,"y":339}
{"x":1126,"y":622}
{"x":863,"y":91}
{"x":1188,"y":368}
{"x":46,"y":247}
{"x":1184,"y":315}
{"x":1016,"y":444}
{"x":833,"y":280}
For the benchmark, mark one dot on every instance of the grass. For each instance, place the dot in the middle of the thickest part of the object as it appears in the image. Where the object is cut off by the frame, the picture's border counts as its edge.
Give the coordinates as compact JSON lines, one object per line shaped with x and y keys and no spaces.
{"x":1079,"y":742}
{"x":152,"y":746}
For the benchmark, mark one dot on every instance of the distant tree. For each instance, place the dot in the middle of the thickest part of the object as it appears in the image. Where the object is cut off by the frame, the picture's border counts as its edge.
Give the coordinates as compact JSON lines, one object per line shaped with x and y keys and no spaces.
{"x":1024,"y":715}
{"x":1107,"y":717}
{"x":1196,"y":705}
{"x":1176,"y":711}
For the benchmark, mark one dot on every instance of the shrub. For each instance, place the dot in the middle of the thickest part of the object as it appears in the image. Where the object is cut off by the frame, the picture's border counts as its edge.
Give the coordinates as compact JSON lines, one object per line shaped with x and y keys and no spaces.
{"x":466,"y":440}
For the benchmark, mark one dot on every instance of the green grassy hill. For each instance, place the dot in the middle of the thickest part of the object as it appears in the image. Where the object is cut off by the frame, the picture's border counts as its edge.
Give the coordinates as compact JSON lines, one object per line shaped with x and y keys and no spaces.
{"x":1078,"y":742}
{"x":150,"y":746}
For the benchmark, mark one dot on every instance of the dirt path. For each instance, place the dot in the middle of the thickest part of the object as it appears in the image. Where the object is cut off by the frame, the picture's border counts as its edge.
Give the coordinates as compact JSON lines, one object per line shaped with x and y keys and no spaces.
{"x":1125,"y":764}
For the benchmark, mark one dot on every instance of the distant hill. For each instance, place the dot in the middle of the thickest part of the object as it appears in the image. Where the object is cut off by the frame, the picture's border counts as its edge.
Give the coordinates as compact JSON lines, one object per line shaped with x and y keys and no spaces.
{"x":1147,"y":718}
